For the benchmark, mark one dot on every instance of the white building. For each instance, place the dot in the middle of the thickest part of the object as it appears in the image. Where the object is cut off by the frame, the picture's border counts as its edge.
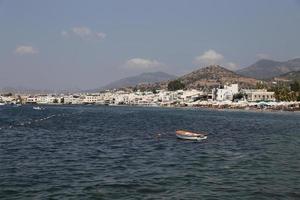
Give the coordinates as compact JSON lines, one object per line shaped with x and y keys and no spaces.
{"x":73,"y":99}
{"x":90,"y":99}
{"x":7,"y":99}
{"x":46,"y":99}
{"x":259,"y":95}
{"x":226,"y":93}
{"x":189,"y":96}
{"x":31,"y":99}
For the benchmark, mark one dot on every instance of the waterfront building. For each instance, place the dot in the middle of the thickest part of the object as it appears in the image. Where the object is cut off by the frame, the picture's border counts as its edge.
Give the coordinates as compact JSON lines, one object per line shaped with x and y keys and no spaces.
{"x":258,"y":95}
{"x":46,"y":99}
{"x":73,"y":99}
{"x":226,"y":93}
{"x":189,"y":96}
{"x":31,"y":99}
{"x":90,"y":99}
{"x":7,"y":99}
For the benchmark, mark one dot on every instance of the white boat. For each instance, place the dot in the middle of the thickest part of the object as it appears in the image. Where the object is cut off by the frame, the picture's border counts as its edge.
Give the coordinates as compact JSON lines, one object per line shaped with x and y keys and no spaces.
{"x":37,"y":108}
{"x":2,"y":104}
{"x":187,"y":135}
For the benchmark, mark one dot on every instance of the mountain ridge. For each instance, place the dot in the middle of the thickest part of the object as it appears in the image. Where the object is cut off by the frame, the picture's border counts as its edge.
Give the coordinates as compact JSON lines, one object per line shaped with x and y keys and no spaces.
{"x":288,"y":77}
{"x":214,"y":75}
{"x":143,"y":78}
{"x":267,"y":69}
{"x":208,"y":77}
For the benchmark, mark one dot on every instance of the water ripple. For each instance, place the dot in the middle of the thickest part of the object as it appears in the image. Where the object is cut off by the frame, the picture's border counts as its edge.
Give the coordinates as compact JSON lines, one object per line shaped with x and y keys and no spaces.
{"x":78,"y":152}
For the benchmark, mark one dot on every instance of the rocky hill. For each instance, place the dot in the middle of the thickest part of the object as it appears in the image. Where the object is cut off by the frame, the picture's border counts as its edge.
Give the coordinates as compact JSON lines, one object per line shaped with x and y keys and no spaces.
{"x":208,"y":77}
{"x":266,"y":69}
{"x":288,"y":77}
{"x":214,"y":75}
{"x":23,"y":90}
{"x":144,"y":78}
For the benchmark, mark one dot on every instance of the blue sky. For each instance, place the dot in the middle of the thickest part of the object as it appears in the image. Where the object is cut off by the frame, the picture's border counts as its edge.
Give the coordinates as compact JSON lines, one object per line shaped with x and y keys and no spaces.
{"x":60,"y":44}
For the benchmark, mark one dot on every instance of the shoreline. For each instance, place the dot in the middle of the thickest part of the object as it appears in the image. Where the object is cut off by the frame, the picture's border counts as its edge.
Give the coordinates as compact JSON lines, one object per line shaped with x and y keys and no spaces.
{"x":255,"y":110}
{"x":220,"y":107}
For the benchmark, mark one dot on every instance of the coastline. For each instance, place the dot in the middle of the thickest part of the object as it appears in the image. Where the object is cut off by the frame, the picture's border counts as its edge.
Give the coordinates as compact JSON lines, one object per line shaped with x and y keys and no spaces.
{"x":232,"y":109}
{"x":216,"y":107}
{"x":224,"y":107}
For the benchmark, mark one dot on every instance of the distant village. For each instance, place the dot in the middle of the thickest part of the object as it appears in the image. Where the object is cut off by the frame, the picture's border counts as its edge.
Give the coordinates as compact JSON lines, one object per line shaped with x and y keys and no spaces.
{"x":227,"y":96}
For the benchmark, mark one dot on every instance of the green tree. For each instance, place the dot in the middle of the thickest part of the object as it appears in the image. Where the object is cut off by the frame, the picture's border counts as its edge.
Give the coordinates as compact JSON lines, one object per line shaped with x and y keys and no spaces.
{"x":7,"y":94}
{"x":19,"y":99}
{"x":142,"y":89}
{"x":295,"y":87}
{"x":238,"y":96}
{"x":283,"y":93}
{"x":154,"y":91}
{"x":261,"y":85}
{"x":175,"y":85}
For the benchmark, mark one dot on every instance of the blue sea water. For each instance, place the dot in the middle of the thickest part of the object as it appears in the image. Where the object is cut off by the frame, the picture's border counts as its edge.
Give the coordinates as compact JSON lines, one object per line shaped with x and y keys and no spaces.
{"x":94,"y":152}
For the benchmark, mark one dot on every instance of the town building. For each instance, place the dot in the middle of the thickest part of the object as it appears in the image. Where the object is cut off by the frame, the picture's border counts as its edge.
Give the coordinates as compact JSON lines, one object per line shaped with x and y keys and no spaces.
{"x":31,"y":99}
{"x":226,"y":93}
{"x":90,"y":99}
{"x":259,"y":95}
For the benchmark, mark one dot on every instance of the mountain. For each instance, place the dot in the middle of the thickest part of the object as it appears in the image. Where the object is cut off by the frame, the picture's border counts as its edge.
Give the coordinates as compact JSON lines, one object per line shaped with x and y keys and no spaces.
{"x":288,"y":77}
{"x":214,"y":75}
{"x":208,"y":77}
{"x":266,"y":69}
{"x":23,"y":90}
{"x":144,"y":78}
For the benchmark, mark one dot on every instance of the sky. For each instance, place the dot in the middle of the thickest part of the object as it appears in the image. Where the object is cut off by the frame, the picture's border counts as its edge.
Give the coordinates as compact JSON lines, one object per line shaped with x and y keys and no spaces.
{"x":67,"y":44}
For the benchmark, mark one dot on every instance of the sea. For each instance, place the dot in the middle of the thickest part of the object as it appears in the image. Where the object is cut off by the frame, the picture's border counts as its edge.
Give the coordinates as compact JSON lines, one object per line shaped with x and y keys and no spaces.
{"x":114,"y":152}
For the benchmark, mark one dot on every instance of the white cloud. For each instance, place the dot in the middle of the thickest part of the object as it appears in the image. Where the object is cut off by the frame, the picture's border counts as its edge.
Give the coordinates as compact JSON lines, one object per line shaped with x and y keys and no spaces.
{"x":23,"y":49}
{"x":209,"y":57}
{"x":64,"y":33}
{"x":231,"y":66}
{"x":141,"y":63}
{"x":212,"y":57}
{"x":100,"y":35}
{"x":263,"y":56}
{"x":84,"y":33}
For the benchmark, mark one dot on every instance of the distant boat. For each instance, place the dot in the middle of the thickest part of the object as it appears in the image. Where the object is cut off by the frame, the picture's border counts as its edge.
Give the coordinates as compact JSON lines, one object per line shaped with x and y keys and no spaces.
{"x":37,"y":108}
{"x":187,"y":135}
{"x":2,"y":104}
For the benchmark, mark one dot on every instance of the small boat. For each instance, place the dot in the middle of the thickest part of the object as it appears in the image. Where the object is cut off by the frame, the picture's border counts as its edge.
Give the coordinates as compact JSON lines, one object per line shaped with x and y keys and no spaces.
{"x":187,"y":135}
{"x":37,"y":108}
{"x":2,"y":104}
